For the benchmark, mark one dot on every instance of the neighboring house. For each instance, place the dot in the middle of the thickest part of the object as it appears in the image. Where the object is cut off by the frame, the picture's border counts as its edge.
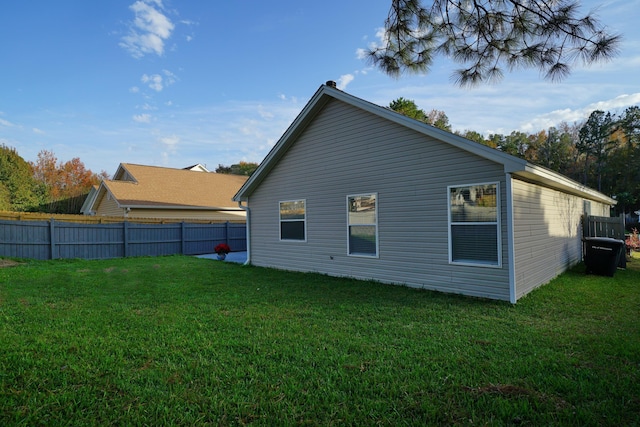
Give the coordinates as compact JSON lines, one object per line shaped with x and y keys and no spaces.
{"x":354,"y":189}
{"x":138,"y":191}
{"x":89,"y":200}
{"x":198,"y":168}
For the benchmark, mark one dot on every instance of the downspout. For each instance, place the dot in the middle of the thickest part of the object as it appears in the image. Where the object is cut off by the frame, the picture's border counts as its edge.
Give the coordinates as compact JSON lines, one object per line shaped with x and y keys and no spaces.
{"x":248,"y":234}
{"x":511,"y":251}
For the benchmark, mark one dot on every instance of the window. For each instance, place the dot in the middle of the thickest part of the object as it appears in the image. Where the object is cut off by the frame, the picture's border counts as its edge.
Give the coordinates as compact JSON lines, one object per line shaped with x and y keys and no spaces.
{"x":292,"y":220}
{"x":362,"y":218}
{"x":474,"y":229}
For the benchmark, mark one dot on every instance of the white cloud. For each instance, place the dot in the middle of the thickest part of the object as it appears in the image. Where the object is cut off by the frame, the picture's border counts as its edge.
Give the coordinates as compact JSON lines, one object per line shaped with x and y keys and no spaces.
{"x":142,"y":118}
{"x":6,"y":123}
{"x":149,"y":29}
{"x":169,"y":77}
{"x":154,"y":81}
{"x":170,"y":141}
{"x":264,"y":113}
{"x":344,"y":80}
{"x":38,"y":131}
{"x":158,"y":82}
{"x":134,"y":89}
{"x":361,"y":53}
{"x":568,"y":115}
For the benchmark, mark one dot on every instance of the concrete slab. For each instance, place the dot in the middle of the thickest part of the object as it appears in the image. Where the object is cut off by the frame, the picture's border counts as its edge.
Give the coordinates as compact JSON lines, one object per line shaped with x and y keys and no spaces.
{"x":238,"y":257}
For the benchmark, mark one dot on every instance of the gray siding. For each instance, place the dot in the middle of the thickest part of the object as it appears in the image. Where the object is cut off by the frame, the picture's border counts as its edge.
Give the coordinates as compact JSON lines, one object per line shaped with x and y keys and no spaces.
{"x":347,"y":151}
{"x":547,"y":233}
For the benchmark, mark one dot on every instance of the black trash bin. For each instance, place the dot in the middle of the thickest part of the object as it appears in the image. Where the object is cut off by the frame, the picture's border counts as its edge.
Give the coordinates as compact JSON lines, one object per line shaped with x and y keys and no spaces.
{"x":602,"y":255}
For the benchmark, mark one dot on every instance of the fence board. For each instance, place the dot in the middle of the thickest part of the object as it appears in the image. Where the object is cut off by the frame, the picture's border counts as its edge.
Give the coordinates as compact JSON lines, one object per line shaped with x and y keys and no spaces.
{"x":601,"y":226}
{"x":57,"y":239}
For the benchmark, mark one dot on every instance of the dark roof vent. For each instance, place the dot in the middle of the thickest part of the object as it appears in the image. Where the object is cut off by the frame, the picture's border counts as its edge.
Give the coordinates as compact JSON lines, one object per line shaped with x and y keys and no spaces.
{"x":332,"y":84}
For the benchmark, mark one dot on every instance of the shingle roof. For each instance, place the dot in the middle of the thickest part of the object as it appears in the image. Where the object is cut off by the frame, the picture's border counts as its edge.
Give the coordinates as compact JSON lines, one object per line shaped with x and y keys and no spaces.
{"x":168,"y":187}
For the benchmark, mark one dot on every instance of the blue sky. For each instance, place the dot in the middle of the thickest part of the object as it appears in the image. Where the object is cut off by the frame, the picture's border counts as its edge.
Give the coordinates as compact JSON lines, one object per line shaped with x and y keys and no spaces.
{"x":172,"y":83}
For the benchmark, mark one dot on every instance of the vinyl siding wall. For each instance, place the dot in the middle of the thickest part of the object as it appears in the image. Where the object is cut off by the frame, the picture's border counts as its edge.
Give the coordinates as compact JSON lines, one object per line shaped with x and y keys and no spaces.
{"x":547,"y":233}
{"x":108,"y":206}
{"x":347,"y":151}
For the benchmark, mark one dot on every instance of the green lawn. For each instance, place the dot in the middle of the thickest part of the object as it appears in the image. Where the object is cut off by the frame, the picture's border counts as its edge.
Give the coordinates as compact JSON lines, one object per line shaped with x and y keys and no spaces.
{"x":188,"y":341}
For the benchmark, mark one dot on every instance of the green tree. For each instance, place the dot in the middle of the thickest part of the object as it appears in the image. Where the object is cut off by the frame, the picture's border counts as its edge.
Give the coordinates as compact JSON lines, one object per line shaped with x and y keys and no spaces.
{"x":570,"y":137}
{"x":536,"y":140}
{"x":496,"y":140}
{"x":409,"y":108}
{"x":622,"y":171}
{"x":18,"y":189}
{"x":475,"y":136}
{"x":242,"y":168}
{"x":594,"y":142}
{"x":438,"y":119}
{"x":5,"y":198}
{"x":554,"y":150}
{"x":515,"y":143}
{"x":487,"y":36}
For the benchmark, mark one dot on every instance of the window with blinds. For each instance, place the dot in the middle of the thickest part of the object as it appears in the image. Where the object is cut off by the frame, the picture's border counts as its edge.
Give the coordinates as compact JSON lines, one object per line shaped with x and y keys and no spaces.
{"x":293,"y":215}
{"x":474,"y":224}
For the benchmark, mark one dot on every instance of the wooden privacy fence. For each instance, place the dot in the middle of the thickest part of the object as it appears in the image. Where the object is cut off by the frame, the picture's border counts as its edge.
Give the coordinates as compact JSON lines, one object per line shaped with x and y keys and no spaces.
{"x":56,"y":239}
{"x":602,"y":226}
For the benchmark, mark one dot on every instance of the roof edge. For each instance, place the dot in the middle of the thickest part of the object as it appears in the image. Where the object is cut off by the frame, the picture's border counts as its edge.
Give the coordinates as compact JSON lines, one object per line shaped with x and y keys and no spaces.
{"x":547,"y":177}
{"x":512,"y":164}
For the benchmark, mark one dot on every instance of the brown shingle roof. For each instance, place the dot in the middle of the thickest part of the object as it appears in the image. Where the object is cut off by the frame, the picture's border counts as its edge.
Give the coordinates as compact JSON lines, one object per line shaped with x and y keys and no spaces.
{"x":158,"y":186}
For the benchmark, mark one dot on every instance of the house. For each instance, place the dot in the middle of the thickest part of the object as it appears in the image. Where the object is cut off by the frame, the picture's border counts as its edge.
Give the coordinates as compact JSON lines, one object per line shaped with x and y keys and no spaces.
{"x":198,"y":168}
{"x":138,"y":191}
{"x":89,"y":200}
{"x":357,"y":190}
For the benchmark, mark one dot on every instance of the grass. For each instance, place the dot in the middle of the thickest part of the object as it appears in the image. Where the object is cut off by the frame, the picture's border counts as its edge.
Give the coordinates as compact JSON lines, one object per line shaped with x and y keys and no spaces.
{"x":187,"y":341}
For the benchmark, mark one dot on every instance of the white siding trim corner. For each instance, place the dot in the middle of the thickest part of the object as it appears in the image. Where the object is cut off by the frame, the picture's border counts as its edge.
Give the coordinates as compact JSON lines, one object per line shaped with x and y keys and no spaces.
{"x":511,"y":255}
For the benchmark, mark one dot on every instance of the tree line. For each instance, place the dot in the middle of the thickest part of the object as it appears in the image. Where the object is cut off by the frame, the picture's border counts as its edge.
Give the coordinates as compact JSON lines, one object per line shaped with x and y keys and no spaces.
{"x":47,"y":185}
{"x":601,"y":152}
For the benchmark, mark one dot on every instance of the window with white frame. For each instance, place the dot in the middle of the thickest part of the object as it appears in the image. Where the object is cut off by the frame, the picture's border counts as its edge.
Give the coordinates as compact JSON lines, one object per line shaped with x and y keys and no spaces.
{"x":474,"y":224}
{"x":293,"y":216}
{"x":362,"y":218}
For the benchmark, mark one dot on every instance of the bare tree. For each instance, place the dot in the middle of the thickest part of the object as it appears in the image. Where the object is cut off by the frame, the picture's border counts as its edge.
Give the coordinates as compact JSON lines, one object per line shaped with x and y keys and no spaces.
{"x":486,"y":36}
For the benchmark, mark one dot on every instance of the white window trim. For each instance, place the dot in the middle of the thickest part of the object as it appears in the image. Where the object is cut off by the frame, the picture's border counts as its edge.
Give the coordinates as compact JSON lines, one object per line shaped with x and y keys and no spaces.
{"x":363,"y":255}
{"x":497,"y":223}
{"x":280,"y":221}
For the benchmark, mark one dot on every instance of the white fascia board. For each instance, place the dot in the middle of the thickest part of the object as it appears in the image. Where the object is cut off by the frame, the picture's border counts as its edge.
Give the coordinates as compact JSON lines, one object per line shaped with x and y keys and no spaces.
{"x":549,"y":178}
{"x":190,"y":208}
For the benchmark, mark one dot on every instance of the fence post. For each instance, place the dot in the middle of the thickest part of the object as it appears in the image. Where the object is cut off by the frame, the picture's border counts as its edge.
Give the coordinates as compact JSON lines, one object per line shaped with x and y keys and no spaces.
{"x":125,"y":238}
{"x":52,"y":238}
{"x":226,"y":234}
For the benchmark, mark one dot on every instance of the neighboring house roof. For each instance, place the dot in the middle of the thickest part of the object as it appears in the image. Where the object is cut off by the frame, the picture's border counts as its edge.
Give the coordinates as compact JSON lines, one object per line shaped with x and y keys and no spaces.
{"x":198,"y":167}
{"x":138,"y":186}
{"x":89,"y":201}
{"x":514,"y":165}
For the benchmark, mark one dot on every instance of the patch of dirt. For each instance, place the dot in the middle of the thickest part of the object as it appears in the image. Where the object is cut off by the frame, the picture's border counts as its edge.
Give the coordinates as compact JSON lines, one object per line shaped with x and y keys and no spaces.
{"x":8,"y":263}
